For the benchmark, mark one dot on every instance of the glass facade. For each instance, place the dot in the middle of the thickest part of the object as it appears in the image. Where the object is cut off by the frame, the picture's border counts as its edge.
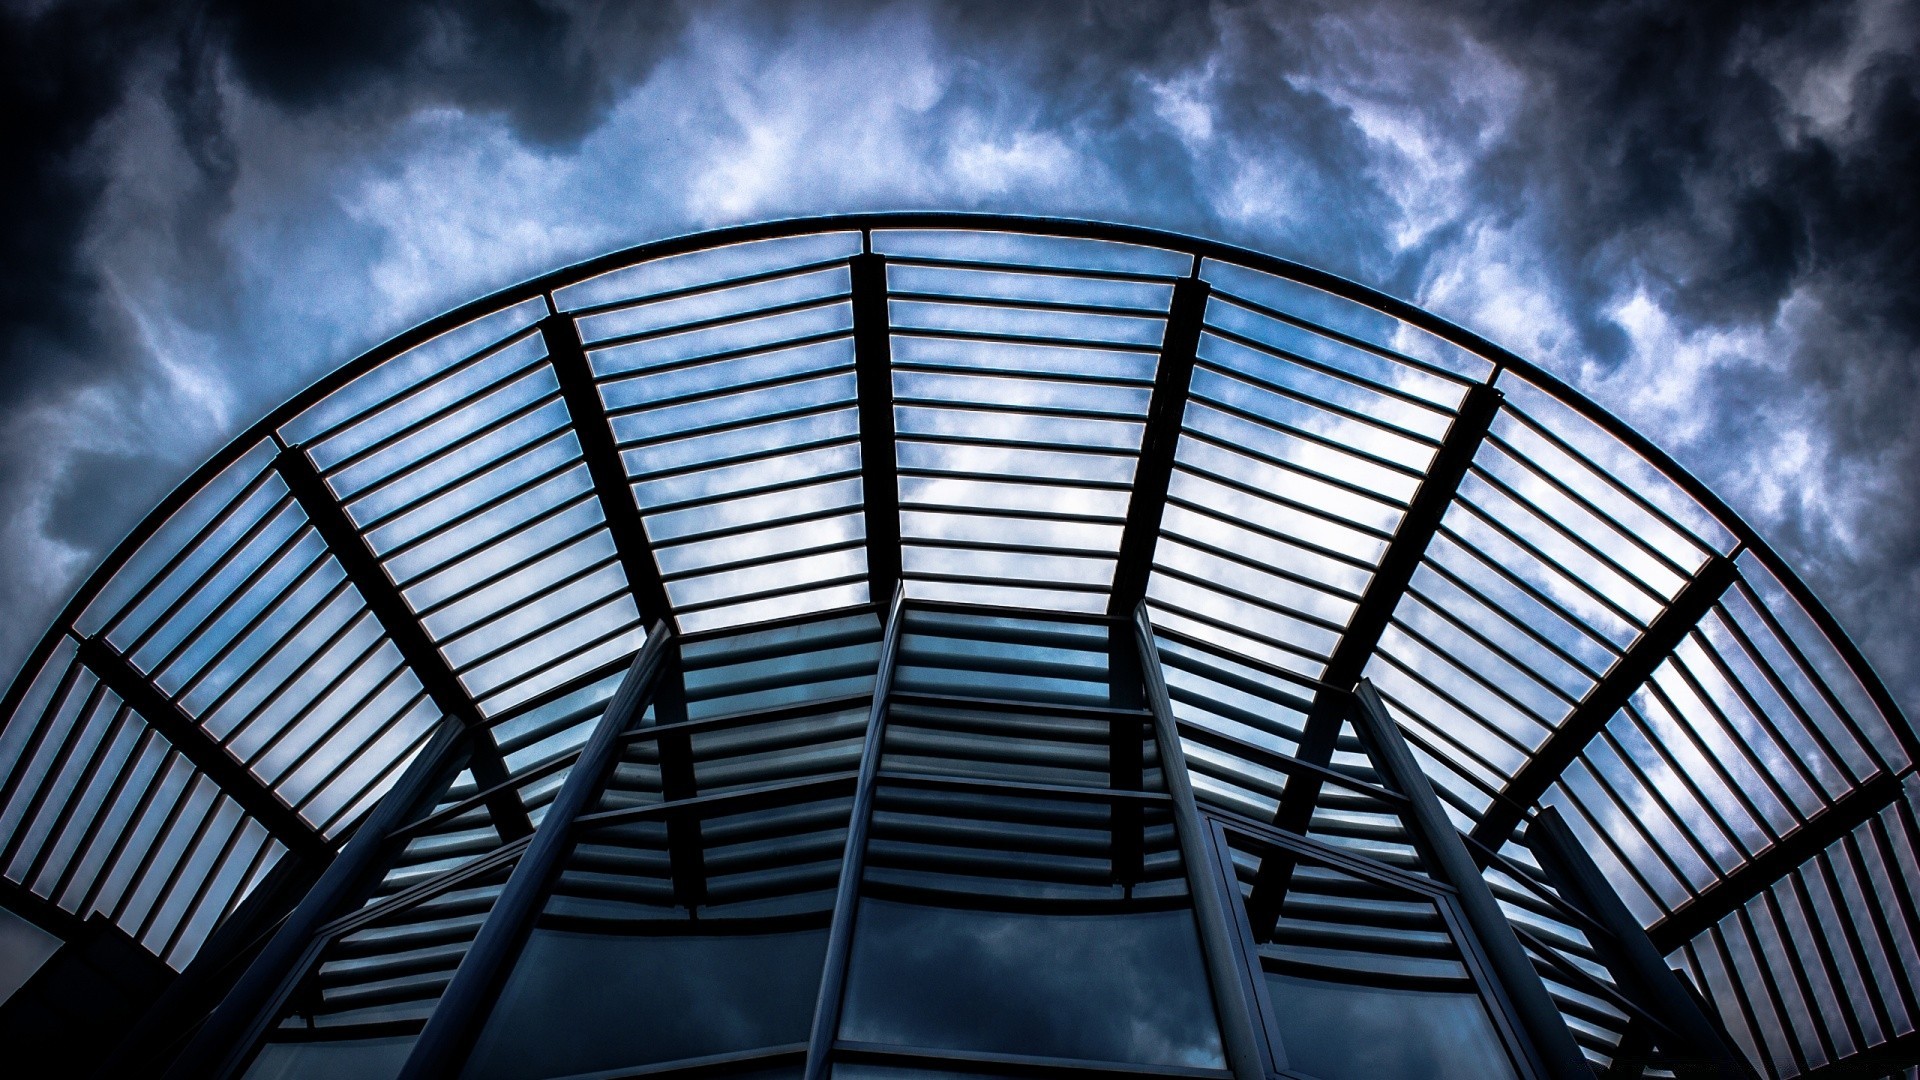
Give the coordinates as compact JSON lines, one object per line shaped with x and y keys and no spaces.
{"x":926,"y":646}
{"x":941,"y":841}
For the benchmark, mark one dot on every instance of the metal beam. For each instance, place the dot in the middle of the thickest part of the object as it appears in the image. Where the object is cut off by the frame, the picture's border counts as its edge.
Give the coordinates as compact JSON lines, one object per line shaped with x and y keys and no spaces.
{"x":833,"y":973}
{"x":221,"y":1045}
{"x":1608,"y":696}
{"x":448,"y":1037}
{"x":1217,"y":944}
{"x":602,"y":452}
{"x":1638,"y":966}
{"x":1732,"y":890}
{"x":1295,"y":812}
{"x":1410,"y":540}
{"x":229,"y":773}
{"x":1179,"y":346}
{"x":403,"y":628}
{"x":1558,"y":1054}
{"x":873,"y":381}
{"x":686,"y":851}
{"x":1126,"y":755}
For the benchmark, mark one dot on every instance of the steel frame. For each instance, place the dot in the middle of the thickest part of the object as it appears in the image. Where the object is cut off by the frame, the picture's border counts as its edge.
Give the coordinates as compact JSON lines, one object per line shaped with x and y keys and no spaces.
{"x":1594,"y":675}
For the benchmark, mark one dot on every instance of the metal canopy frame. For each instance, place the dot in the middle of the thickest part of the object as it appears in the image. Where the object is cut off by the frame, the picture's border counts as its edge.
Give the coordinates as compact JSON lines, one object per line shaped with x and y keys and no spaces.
{"x":1305,"y":481}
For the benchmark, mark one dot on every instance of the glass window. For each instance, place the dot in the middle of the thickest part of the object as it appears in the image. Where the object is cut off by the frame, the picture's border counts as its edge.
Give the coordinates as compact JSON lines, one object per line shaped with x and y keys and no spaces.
{"x":1015,"y":658}
{"x":675,"y":936}
{"x":580,"y":1001}
{"x":358,"y":1011}
{"x":1008,"y":923}
{"x":1361,"y":980}
{"x":1123,"y":985}
{"x":371,"y":1059}
{"x":1336,"y":1030}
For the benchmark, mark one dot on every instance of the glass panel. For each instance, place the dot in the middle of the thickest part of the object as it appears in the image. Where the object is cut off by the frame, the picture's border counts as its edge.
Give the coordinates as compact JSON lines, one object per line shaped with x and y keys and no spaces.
{"x":358,"y":1012}
{"x":1017,"y":924}
{"x":854,"y":1070}
{"x":1118,"y":982}
{"x":371,"y":1059}
{"x":23,"y":948}
{"x":1362,"y":980}
{"x":640,"y":993}
{"x":671,"y":937}
{"x":1006,"y":657}
{"x":1023,"y":890}
{"x":690,"y":919}
{"x":1336,"y":1030}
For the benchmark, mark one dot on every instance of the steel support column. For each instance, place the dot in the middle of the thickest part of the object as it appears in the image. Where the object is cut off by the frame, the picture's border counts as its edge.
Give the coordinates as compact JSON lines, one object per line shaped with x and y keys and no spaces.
{"x":686,"y":851}
{"x":222,"y":1044}
{"x":1558,"y":1056}
{"x":444,"y":1043}
{"x":1637,"y":966}
{"x":1196,"y":843}
{"x":208,"y":978}
{"x":1295,"y":811}
{"x":833,"y":975}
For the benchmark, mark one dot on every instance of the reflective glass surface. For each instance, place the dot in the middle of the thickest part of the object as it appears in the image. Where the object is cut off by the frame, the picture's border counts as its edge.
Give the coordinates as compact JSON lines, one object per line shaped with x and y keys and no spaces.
{"x":690,"y":919}
{"x":1023,"y":891}
{"x":23,"y":948}
{"x":1123,"y":987}
{"x":580,"y":1002}
{"x":370,"y":1059}
{"x":1353,"y":1031}
{"x":1363,"y":980}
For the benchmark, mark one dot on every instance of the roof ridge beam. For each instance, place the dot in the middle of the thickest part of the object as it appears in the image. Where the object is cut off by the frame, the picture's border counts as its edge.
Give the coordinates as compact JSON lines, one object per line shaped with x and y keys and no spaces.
{"x":382,"y":596}
{"x":1608,"y":696}
{"x":217,"y":762}
{"x":567,"y":355}
{"x":873,"y":383}
{"x":1731,"y":891}
{"x":1166,"y":409}
{"x":1416,"y":531}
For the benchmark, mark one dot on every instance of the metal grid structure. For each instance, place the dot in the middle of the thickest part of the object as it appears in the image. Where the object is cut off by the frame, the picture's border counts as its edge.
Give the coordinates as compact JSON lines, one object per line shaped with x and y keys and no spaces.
{"x":1581,"y":679}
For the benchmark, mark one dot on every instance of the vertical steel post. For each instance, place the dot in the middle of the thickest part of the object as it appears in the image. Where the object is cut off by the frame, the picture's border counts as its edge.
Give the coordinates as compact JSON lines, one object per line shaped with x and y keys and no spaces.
{"x":1209,"y":910}
{"x":443,"y":1045}
{"x":833,"y":974}
{"x":1630,"y":954}
{"x":1552,"y":1044}
{"x":223,"y":1042}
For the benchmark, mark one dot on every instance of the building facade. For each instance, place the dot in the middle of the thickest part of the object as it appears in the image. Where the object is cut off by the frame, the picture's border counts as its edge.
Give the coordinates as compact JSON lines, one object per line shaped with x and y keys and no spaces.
{"x":941,"y":645}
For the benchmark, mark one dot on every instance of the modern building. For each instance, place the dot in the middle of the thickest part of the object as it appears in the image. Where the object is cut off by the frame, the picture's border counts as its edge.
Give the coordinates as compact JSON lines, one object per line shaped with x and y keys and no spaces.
{"x":933,"y":646}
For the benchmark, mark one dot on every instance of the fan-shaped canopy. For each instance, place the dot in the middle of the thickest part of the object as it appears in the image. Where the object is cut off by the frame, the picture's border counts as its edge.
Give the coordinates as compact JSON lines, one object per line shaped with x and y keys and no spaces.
{"x":1306,"y":482}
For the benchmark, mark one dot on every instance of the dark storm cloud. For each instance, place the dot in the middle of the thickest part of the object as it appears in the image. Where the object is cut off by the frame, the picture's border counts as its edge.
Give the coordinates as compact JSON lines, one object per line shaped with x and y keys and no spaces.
{"x":65,"y":69}
{"x":1661,"y":140}
{"x":1665,"y":148}
{"x":1747,"y":167}
{"x":552,"y":69}
{"x":61,"y":73}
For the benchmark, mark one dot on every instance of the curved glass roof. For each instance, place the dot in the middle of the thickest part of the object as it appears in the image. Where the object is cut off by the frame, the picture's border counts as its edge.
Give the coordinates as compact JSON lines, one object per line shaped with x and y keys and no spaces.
{"x":1306,"y":481}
